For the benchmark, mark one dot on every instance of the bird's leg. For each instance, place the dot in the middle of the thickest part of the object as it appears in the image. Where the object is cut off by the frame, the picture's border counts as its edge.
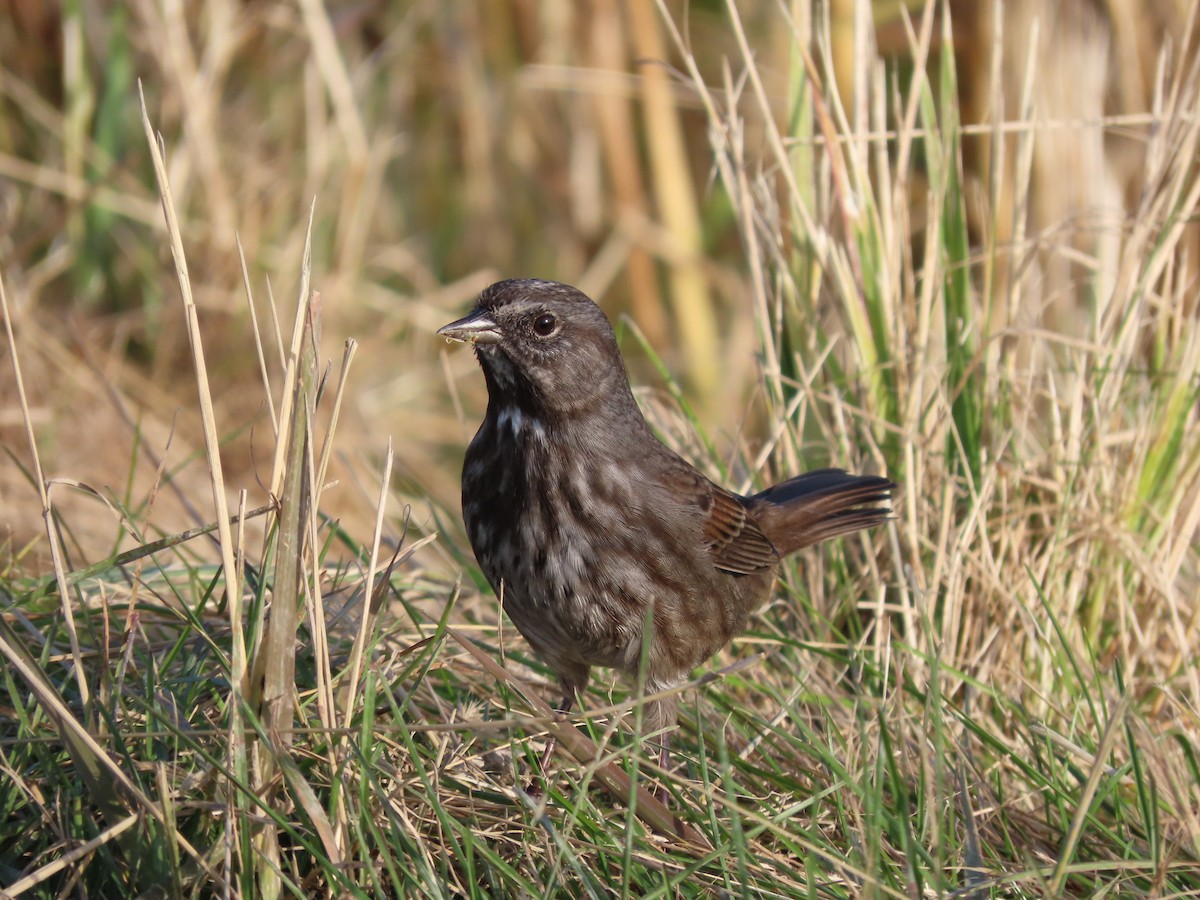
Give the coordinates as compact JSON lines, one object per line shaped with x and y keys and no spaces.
{"x":560,"y":712}
{"x":664,"y":762}
{"x":661,"y":717}
{"x":571,"y":688}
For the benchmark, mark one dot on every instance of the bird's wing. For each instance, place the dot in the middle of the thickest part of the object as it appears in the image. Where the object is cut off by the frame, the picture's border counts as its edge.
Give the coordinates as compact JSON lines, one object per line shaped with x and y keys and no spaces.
{"x":730,"y":533}
{"x":734,"y":538}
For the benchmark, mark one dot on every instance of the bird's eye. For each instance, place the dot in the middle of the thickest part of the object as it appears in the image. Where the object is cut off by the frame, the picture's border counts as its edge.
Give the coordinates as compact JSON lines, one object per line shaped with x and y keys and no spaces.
{"x":544,"y":325}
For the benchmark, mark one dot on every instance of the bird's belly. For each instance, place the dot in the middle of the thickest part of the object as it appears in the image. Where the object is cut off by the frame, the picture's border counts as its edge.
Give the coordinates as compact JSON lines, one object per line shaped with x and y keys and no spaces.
{"x":580,"y":572}
{"x":543,"y":563}
{"x":575,"y":603}
{"x":560,"y":599}
{"x":575,"y":628}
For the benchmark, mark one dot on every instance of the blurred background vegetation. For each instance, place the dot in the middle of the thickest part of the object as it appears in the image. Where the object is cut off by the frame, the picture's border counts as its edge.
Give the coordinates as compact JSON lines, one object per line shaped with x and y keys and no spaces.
{"x":448,"y":144}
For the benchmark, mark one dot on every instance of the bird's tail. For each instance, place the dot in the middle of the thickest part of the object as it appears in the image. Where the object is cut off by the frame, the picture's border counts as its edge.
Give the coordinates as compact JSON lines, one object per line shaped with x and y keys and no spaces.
{"x":820,"y":505}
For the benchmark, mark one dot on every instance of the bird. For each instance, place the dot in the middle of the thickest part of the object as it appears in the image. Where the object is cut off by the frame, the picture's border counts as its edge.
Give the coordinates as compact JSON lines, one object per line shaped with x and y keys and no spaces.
{"x":605,"y":547}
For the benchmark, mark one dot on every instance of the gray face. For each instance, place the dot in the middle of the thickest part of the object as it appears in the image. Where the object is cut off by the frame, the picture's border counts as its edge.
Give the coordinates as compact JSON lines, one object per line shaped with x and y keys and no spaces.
{"x":543,"y":346}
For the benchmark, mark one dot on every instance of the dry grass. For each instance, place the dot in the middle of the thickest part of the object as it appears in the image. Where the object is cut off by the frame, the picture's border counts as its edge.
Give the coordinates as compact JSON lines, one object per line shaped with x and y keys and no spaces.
{"x":996,"y":696}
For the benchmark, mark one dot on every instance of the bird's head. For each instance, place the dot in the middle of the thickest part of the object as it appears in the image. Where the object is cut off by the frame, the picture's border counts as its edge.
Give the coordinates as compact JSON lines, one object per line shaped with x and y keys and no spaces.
{"x":544,"y":346}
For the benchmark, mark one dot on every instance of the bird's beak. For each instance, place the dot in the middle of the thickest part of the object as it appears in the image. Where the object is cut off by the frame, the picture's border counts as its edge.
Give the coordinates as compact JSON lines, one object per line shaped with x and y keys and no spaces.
{"x":477,"y":328}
